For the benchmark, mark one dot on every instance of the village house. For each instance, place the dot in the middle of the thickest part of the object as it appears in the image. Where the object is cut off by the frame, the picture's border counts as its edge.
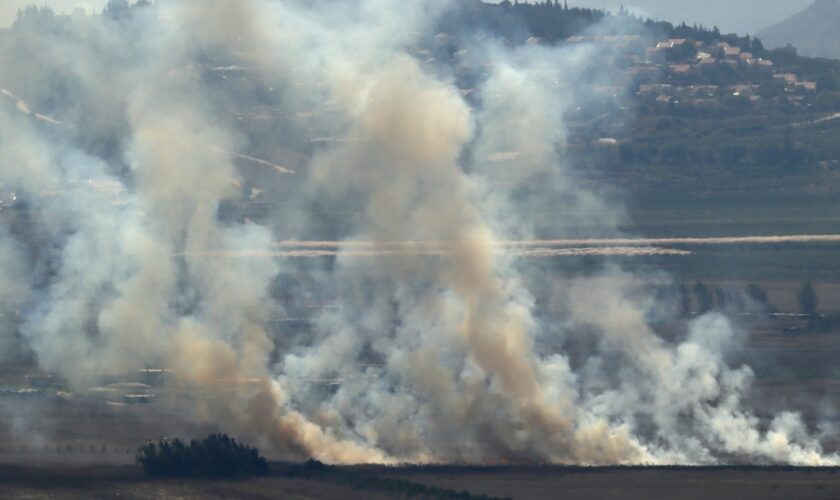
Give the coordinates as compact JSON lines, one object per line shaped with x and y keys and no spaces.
{"x":787,"y":77}
{"x":671,"y":43}
{"x":657,"y":88}
{"x":655,"y":55}
{"x":765,"y":63}
{"x":806,"y":86}
{"x":681,"y":69}
{"x":744,"y":89}
{"x":658,"y":63}
{"x":732,"y":53}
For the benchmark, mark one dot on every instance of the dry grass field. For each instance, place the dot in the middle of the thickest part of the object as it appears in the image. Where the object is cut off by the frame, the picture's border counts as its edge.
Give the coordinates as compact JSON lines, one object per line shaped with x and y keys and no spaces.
{"x":631,"y":484}
{"x":129,"y":483}
{"x":74,"y":437}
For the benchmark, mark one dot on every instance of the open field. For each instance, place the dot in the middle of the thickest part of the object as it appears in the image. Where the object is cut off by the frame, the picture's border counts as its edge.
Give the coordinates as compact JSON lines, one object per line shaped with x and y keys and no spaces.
{"x":792,"y":372}
{"x":520,"y":483}
{"x":747,"y":211}
{"x":129,"y":482}
{"x":687,"y":214}
{"x":738,"y":229}
{"x":44,"y":429}
{"x":650,"y":484}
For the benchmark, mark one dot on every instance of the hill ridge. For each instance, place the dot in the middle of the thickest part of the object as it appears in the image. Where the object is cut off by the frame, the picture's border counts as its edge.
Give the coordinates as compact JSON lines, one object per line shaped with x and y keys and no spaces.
{"x":812,"y":31}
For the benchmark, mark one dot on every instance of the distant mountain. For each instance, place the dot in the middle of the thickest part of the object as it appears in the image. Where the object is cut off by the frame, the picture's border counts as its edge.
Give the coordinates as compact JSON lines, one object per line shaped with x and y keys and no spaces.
{"x":815,"y":31}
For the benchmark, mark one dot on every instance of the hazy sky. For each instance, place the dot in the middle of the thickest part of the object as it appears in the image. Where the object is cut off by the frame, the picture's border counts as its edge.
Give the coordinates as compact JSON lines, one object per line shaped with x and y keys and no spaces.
{"x":743,"y":16}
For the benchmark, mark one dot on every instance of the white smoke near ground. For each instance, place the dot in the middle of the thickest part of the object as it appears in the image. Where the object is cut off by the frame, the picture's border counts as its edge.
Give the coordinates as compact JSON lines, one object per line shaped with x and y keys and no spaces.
{"x":437,"y":350}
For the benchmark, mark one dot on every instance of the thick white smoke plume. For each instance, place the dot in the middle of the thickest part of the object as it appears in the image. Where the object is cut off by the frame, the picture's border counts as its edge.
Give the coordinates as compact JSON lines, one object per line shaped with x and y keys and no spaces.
{"x":163,"y":153}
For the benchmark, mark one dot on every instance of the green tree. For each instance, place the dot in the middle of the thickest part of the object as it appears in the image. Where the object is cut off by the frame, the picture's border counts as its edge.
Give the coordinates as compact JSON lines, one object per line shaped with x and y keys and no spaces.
{"x":685,"y":301}
{"x":705,"y":300}
{"x":33,"y":17}
{"x":215,"y":456}
{"x":721,"y":299}
{"x":807,"y":299}
{"x":756,"y":294}
{"x":117,"y":9}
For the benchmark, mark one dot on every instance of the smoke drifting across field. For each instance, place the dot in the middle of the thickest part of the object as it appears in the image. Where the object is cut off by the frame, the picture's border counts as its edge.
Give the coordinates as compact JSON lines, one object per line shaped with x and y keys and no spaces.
{"x":380,"y":130}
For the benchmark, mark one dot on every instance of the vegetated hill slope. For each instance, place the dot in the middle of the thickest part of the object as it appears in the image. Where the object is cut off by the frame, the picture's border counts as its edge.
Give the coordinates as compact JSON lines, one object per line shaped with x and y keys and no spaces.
{"x":814,"y":31}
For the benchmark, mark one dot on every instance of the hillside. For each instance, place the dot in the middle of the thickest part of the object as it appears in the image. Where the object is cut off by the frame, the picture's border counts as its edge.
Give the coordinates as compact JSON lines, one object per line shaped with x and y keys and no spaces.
{"x":813,"y":31}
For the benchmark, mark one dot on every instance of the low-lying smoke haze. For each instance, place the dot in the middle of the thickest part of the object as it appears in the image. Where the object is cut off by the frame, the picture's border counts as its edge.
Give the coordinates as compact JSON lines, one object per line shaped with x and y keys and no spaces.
{"x":160,"y":156}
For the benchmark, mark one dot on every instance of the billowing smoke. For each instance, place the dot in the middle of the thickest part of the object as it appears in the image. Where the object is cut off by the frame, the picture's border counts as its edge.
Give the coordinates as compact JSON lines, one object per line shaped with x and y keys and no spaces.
{"x":168,"y":157}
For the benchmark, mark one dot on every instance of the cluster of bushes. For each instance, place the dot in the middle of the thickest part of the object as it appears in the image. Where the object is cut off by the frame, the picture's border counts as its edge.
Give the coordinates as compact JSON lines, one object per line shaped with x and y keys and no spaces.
{"x":808,"y":302}
{"x":358,"y":480}
{"x":216,"y":456}
{"x":752,"y":299}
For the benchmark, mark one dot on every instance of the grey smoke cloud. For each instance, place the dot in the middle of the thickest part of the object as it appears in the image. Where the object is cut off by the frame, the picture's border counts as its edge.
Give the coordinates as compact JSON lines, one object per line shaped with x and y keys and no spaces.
{"x":9,"y":8}
{"x":424,"y":357}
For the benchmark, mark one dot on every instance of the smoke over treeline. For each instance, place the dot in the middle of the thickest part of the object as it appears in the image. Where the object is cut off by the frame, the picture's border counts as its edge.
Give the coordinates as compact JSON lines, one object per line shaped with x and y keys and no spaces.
{"x":160,"y":154}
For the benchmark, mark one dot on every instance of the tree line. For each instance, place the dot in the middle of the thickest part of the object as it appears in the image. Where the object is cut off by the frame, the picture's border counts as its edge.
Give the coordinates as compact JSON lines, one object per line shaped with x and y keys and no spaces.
{"x":751,"y":299}
{"x":216,"y":456}
{"x":708,"y":298}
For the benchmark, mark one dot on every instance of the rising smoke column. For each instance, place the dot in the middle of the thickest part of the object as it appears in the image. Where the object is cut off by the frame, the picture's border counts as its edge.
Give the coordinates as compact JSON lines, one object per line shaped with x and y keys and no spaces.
{"x":438,"y":358}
